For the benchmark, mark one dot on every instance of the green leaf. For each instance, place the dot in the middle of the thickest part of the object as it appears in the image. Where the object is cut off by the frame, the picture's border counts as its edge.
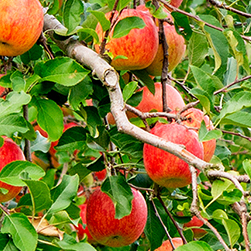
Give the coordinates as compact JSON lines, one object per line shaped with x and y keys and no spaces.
{"x":218,"y":43}
{"x":69,"y":243}
{"x":239,"y":101}
{"x":14,"y":103}
{"x":13,"y":171}
{"x":219,"y":186}
{"x":40,"y":195}
{"x":154,"y":230}
{"x":33,"y":54}
{"x":124,"y":26}
{"x":126,"y":143}
{"x":206,"y":81}
{"x":88,"y":33}
{"x":4,"y":239}
{"x":40,"y":144}
{"x":100,"y":16}
{"x":197,"y":49}
{"x":64,"y":193}
{"x":247,"y":167}
{"x":249,"y":229}
{"x":232,"y":196}
{"x":62,"y":70}
{"x":239,"y":118}
{"x":233,"y":231}
{"x":50,"y":117}
{"x":72,"y":14}
{"x":80,"y":92}
{"x":12,"y":123}
{"x":205,"y":135}
{"x":18,"y":81}
{"x":72,"y":139}
{"x":219,"y":215}
{"x":195,"y":246}
{"x":21,"y":230}
{"x":120,"y":192}
{"x":129,"y":90}
{"x":238,"y":48}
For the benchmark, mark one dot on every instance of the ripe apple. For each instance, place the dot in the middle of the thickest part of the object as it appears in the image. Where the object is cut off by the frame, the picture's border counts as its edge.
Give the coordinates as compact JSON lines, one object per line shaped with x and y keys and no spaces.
{"x":100,"y":175}
{"x":194,"y":118}
{"x":108,"y":231}
{"x":166,"y":245}
{"x":176,"y":51}
{"x":80,"y":228}
{"x":21,"y":24}
{"x":165,"y":168}
{"x":176,"y":3}
{"x":197,"y":223}
{"x":9,"y":152}
{"x":139,"y":46}
{"x":154,"y":102}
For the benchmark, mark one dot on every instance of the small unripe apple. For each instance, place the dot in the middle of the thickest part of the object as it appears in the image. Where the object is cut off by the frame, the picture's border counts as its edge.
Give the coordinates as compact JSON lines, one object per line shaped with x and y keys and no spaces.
{"x":139,"y":45}
{"x":9,"y":152}
{"x":165,"y":168}
{"x":154,"y":102}
{"x":108,"y":231}
{"x":166,"y":245}
{"x":194,"y":118}
{"x":21,"y":24}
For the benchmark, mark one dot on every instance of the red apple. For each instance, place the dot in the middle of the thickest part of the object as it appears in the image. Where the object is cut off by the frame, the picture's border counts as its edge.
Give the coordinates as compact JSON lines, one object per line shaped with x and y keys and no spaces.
{"x":21,"y":24}
{"x":197,"y":223}
{"x":108,"y":231}
{"x":100,"y":175}
{"x":9,"y":152}
{"x":166,"y":245}
{"x":139,"y":46}
{"x":165,"y":168}
{"x":194,"y":118}
{"x":154,"y":102}
{"x":81,"y":230}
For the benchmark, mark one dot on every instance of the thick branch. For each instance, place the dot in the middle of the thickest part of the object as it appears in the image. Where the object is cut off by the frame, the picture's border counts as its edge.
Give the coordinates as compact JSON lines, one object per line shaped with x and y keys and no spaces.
{"x":110,"y":78}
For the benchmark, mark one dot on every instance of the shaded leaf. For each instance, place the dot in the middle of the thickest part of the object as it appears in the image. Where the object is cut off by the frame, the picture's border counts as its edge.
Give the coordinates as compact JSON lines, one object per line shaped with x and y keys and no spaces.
{"x":195,"y":246}
{"x":120,"y":192}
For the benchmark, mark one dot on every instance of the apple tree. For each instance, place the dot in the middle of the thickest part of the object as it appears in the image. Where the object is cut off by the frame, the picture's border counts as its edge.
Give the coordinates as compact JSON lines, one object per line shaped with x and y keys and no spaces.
{"x":147,"y":102}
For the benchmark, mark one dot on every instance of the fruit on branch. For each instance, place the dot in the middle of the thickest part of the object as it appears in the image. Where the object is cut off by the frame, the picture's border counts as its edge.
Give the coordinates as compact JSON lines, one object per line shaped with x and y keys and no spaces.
{"x":21,"y":24}
{"x":176,"y":51}
{"x":165,"y":168}
{"x":197,"y":223}
{"x":83,"y":230}
{"x":194,"y":118}
{"x":139,"y":45}
{"x":105,"y":229}
{"x":9,"y":152}
{"x":151,"y":102}
{"x":166,"y":245}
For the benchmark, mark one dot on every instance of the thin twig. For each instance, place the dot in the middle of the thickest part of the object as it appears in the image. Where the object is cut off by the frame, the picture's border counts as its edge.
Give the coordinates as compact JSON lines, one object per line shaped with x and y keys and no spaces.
{"x":237,"y":134}
{"x":195,"y":210}
{"x":172,"y":219}
{"x":163,"y":225}
{"x":27,"y":146}
{"x":169,"y":6}
{"x":224,"y":6}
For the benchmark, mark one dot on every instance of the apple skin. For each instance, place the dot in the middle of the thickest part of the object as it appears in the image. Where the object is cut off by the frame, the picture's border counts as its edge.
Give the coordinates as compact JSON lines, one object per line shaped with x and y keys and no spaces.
{"x":154,"y":102}
{"x":195,"y":117}
{"x":108,"y":231}
{"x":139,"y":54}
{"x":176,"y":3}
{"x":9,"y":152}
{"x":165,"y":168}
{"x":196,"y":222}
{"x":21,"y":24}
{"x":166,"y":245}
{"x":100,"y":175}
